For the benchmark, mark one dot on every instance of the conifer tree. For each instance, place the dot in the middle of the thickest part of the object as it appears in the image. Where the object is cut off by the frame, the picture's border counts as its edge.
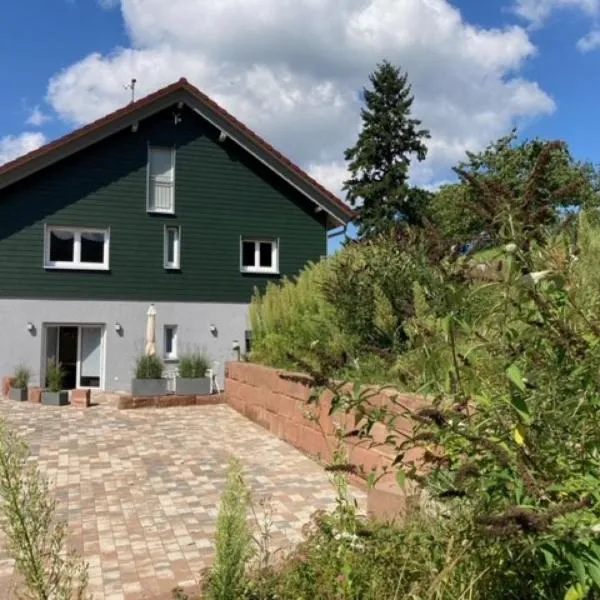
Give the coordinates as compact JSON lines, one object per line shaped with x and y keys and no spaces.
{"x":380,"y":160}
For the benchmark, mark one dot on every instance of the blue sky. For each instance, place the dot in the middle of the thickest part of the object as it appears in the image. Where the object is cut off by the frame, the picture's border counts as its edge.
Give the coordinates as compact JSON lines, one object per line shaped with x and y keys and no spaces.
{"x":478,"y":67}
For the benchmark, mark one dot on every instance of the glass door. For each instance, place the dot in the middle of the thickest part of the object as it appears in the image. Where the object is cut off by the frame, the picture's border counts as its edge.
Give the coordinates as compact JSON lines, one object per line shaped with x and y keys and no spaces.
{"x":90,"y":357}
{"x":67,"y":355}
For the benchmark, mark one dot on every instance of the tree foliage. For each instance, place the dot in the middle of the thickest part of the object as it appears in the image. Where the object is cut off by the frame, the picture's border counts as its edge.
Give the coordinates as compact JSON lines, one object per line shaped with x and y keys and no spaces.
{"x":379,"y":161}
{"x":462,"y":210}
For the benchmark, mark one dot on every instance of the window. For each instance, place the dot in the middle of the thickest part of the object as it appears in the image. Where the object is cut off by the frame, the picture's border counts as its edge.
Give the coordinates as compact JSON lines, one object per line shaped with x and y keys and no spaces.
{"x":259,"y":256}
{"x":172,"y":247}
{"x":161,"y":180}
{"x":170,"y":342}
{"x":67,"y":248}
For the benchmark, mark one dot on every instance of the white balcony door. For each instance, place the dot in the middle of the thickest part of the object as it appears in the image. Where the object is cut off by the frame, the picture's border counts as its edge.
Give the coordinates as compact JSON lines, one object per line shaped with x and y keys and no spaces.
{"x":88,"y":348}
{"x":90,"y":357}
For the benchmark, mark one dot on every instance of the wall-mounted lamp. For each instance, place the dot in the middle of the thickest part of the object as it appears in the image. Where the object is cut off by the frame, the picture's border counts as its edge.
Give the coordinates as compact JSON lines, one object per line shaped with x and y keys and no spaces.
{"x":118,"y":328}
{"x":235,"y":345}
{"x":30,"y":326}
{"x":213,"y":330}
{"x":222,"y":137}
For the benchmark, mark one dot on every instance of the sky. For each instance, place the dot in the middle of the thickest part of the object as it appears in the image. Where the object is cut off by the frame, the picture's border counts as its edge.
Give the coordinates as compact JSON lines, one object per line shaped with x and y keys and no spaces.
{"x":293,"y":69}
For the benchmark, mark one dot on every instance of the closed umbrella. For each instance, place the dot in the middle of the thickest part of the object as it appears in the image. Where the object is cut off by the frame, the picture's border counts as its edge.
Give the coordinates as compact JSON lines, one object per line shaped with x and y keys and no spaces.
{"x":151,"y":331}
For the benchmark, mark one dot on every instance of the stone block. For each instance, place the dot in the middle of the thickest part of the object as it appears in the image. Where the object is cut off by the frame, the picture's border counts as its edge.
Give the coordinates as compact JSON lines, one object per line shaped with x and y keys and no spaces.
{"x":292,"y":433}
{"x":34,"y":394}
{"x":313,"y":442}
{"x":287,"y":406}
{"x":388,"y":504}
{"x":7,"y":383}
{"x":81,"y":398}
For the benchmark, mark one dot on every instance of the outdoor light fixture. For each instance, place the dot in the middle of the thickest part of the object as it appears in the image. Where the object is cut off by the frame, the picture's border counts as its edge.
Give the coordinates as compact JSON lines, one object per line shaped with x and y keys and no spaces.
{"x":235,"y":345}
{"x":30,"y":326}
{"x":118,"y":327}
{"x":213,"y":329}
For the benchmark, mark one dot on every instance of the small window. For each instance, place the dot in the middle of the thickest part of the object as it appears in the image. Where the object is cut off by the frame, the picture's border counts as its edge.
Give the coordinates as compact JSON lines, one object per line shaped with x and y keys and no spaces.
{"x":85,"y":249}
{"x":170,"y":342}
{"x":172,"y":247}
{"x":260,"y":256}
{"x":161,"y":180}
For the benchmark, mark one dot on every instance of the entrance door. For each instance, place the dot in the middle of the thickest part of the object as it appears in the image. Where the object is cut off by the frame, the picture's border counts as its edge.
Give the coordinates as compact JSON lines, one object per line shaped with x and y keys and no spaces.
{"x":67,"y":355}
{"x":78,"y":348}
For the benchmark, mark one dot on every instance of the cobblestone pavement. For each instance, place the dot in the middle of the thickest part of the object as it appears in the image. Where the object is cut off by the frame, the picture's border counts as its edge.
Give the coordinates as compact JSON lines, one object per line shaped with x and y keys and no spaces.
{"x":140,"y":489}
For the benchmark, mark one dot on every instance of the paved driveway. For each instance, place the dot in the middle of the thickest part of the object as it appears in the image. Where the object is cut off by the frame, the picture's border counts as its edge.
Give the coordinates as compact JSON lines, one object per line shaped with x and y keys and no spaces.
{"x":140,"y":489}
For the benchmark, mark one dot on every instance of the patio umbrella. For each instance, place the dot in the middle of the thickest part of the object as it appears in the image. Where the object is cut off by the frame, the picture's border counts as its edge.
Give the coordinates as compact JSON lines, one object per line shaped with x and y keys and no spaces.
{"x":151,"y":331}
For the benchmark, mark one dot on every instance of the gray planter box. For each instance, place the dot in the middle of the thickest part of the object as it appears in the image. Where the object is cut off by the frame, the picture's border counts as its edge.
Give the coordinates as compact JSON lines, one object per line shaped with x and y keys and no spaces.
{"x":148,"y":387}
{"x":192,"y":387}
{"x":55,"y":398}
{"x":18,"y":394}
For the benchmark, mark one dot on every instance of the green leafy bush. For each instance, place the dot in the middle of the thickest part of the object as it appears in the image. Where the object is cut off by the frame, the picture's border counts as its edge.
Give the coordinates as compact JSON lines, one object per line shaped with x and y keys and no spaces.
{"x":34,"y":538}
{"x":506,"y":353}
{"x":233,"y":540}
{"x":22,"y":376}
{"x":54,"y":376}
{"x":293,"y":319}
{"x":194,"y":366}
{"x":508,"y":356}
{"x":149,"y":367}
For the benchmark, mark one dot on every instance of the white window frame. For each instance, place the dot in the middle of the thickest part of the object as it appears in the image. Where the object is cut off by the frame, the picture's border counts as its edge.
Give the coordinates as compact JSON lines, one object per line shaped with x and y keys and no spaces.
{"x":176,"y":264}
{"x":76,"y":263}
{"x":172,"y":355}
{"x":149,"y":181}
{"x":272,"y":270}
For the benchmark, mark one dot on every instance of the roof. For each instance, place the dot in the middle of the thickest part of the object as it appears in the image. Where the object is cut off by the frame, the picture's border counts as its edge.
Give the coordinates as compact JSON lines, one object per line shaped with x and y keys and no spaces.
{"x":179,"y":91}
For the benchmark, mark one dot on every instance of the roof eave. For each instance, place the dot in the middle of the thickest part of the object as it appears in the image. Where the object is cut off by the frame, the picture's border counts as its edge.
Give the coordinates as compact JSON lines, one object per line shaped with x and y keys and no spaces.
{"x":338,"y":214}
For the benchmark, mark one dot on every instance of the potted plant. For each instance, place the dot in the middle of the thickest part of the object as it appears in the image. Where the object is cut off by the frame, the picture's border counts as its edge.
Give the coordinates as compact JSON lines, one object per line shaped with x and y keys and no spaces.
{"x":148,"y":380}
{"x":54,"y":395}
{"x":18,"y":390}
{"x":193,"y":377}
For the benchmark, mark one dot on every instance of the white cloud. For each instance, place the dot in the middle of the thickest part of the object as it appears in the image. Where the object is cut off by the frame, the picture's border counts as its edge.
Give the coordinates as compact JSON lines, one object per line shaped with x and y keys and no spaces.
{"x":292,"y":69}
{"x":37,"y":118}
{"x":12,"y":146}
{"x":538,"y":11}
{"x":589,"y":42}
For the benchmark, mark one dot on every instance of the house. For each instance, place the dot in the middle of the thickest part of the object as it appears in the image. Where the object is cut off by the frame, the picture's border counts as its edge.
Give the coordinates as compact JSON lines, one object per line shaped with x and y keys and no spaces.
{"x":169,"y":201}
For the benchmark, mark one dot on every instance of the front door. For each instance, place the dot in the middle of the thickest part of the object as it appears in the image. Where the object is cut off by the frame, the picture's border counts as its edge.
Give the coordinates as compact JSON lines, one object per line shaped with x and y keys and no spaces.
{"x":67,"y":355}
{"x":78,"y":348}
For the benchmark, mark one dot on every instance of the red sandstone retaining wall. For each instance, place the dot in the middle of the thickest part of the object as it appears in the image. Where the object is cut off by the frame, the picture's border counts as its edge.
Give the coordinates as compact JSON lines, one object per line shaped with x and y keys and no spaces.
{"x":127,"y":402}
{"x":281,"y":406}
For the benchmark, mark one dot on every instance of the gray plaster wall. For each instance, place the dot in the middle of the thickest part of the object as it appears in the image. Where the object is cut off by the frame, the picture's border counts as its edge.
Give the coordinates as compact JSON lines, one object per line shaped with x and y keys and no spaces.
{"x":193,"y":320}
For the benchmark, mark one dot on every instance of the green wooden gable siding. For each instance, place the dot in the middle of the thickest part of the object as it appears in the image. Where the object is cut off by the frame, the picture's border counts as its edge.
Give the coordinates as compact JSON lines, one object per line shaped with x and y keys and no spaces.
{"x":221,"y":194}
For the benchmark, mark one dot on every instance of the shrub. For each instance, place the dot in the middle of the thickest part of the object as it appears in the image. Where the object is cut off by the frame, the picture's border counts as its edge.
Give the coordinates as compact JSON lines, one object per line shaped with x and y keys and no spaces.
{"x":54,"y":376}
{"x":509,"y":358}
{"x":293,"y":319}
{"x":35,"y":539}
{"x":149,"y":367}
{"x":194,"y":366}
{"x":22,"y":376}
{"x":233,"y":540}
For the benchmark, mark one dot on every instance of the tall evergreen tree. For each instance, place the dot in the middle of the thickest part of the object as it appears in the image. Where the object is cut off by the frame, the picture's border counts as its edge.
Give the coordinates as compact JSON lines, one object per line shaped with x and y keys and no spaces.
{"x":380,"y":160}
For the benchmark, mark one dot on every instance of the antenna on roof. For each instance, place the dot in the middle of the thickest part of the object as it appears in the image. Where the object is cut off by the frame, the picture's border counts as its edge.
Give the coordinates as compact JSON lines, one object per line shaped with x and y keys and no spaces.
{"x":131,"y":87}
